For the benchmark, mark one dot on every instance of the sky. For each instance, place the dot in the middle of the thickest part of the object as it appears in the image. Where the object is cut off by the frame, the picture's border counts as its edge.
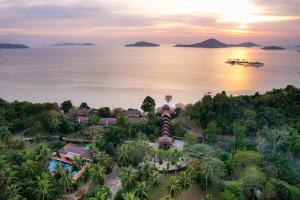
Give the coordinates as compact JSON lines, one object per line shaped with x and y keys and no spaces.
{"x":40,"y":22}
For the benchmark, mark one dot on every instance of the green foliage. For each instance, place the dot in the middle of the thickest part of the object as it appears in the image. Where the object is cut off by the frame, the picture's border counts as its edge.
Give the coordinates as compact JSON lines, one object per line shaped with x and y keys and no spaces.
{"x":66,"y":106}
{"x":132,"y":153}
{"x":174,"y":187}
{"x":235,"y":189}
{"x":211,"y":131}
{"x":104,"y":112}
{"x":148,"y":104}
{"x":199,"y":150}
{"x":282,"y":190}
{"x":141,"y":190}
{"x":242,"y":159}
{"x":252,"y":179}
{"x":84,"y":105}
{"x":129,"y":176}
{"x":190,"y":137}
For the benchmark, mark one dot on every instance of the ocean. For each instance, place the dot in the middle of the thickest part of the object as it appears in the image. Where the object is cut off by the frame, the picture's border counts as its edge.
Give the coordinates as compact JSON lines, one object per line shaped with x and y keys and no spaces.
{"x":117,"y":76}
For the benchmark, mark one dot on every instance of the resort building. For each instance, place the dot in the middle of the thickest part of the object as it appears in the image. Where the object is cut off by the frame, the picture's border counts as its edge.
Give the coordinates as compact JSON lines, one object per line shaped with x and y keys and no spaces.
{"x":69,"y":151}
{"x":130,"y":113}
{"x":136,"y":120}
{"x":82,"y":116}
{"x":106,"y":122}
{"x":165,"y":111}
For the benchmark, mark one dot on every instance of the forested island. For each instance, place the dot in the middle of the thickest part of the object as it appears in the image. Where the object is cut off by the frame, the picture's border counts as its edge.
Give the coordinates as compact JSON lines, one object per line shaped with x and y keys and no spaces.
{"x":273,"y":48}
{"x":232,"y":148}
{"x":142,"y":44}
{"x":213,"y":43}
{"x":12,"y":46}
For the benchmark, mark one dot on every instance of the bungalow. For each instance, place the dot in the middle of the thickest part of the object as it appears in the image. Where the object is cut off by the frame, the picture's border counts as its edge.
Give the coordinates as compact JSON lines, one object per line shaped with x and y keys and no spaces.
{"x":105,"y":122}
{"x":69,"y":151}
{"x":136,"y":120}
{"x":132,"y":113}
{"x":82,"y":116}
{"x":82,"y":119}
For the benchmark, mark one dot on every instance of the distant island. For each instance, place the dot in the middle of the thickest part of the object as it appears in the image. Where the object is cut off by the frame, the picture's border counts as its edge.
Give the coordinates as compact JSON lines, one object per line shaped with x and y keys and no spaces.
{"x":213,"y":43}
{"x":142,"y":44}
{"x":61,"y":44}
{"x":298,"y":46}
{"x":12,"y":46}
{"x":273,"y":48}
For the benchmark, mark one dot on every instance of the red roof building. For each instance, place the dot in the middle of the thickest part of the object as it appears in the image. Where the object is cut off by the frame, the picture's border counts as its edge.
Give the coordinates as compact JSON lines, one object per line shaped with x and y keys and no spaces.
{"x":106,"y":122}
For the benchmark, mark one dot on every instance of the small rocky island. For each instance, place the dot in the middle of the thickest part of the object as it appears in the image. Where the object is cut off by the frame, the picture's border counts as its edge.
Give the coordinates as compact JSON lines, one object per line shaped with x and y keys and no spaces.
{"x":12,"y":46}
{"x":273,"y":48}
{"x":213,"y":43}
{"x":62,"y":44}
{"x":142,"y":44}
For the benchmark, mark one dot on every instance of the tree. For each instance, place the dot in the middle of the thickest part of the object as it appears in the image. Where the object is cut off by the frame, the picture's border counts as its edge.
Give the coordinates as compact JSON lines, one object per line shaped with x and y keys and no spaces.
{"x":13,"y":192}
{"x":174,"y":186}
{"x":211,"y":168}
{"x":42,"y":154}
{"x":211,"y":131}
{"x":76,"y":165}
{"x":129,"y":176}
{"x":190,"y":137}
{"x":66,"y":180}
{"x":84,"y":105}
{"x":239,"y":131}
{"x":141,"y":190}
{"x":227,"y":195}
{"x":234,"y":189}
{"x":155,"y":178}
{"x":146,"y":170}
{"x":198,"y":151}
{"x":270,"y":142}
{"x":66,"y":106}
{"x":44,"y":188}
{"x":104,"y":112}
{"x":242,"y":159}
{"x":130,"y":196}
{"x":97,"y":173}
{"x":148,"y":104}
{"x":185,"y":179}
{"x":253,"y":179}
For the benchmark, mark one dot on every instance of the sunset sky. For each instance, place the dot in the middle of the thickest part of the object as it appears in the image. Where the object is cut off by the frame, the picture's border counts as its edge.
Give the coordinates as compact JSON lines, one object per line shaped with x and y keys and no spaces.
{"x":164,"y":21}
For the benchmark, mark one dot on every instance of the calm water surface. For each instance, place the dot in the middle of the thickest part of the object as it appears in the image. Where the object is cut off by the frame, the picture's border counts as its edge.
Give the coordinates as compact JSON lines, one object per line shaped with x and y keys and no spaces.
{"x":121,"y":77}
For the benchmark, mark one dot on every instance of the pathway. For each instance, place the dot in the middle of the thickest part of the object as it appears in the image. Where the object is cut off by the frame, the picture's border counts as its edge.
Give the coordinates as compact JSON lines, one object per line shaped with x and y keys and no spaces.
{"x":113,"y":181}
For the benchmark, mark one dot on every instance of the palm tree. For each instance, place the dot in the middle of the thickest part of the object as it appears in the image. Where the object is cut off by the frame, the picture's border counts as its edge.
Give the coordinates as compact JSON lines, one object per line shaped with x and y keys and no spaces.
{"x":146,"y":170}
{"x":156,"y":178}
{"x":76,"y":163}
{"x":8,"y":176}
{"x":86,"y":174}
{"x":141,"y":190}
{"x":54,"y":125}
{"x":37,"y":127}
{"x":99,"y":196}
{"x":210,"y":167}
{"x":13,"y":192}
{"x":129,"y":176}
{"x":129,"y":196}
{"x":123,"y":154}
{"x":59,"y":168}
{"x":29,"y":168}
{"x":185,"y":180}
{"x":44,"y":189}
{"x":174,"y":186}
{"x":97,"y":174}
{"x":66,"y":180}
{"x":42,"y":154}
